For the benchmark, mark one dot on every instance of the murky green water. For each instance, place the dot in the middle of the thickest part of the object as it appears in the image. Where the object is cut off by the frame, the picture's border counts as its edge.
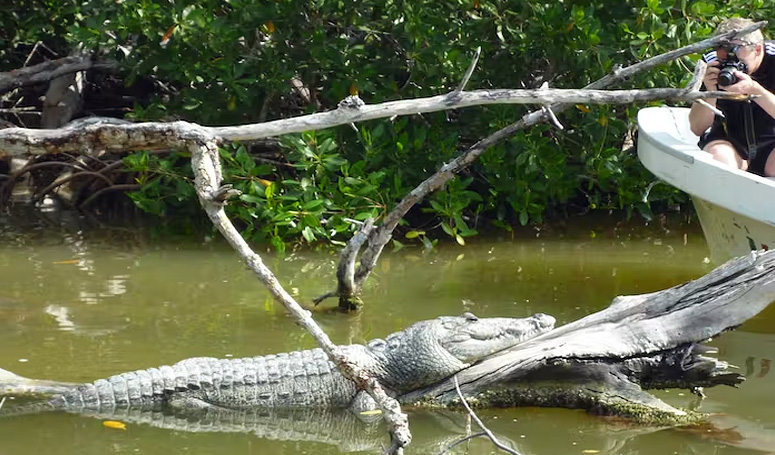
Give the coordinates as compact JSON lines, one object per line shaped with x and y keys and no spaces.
{"x":78,"y":306}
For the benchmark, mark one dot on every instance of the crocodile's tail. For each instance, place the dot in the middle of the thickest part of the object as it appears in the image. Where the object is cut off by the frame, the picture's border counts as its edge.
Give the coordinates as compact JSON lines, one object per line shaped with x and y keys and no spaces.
{"x":18,"y":386}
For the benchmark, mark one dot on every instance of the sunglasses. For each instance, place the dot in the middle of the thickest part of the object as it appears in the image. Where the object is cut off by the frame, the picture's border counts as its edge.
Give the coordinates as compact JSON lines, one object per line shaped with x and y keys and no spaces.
{"x":732,"y":48}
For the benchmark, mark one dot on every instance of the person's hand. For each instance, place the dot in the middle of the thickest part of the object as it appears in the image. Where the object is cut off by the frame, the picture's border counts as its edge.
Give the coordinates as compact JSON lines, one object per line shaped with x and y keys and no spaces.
{"x":744,"y":85}
{"x":711,"y":76}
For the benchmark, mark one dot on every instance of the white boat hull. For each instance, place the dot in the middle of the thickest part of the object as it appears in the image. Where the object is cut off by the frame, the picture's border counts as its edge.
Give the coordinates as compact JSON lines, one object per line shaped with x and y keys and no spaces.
{"x":736,"y":208}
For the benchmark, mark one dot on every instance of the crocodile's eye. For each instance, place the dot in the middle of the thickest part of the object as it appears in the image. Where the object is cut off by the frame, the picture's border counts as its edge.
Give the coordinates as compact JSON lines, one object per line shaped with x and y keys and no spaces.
{"x":469,"y":317}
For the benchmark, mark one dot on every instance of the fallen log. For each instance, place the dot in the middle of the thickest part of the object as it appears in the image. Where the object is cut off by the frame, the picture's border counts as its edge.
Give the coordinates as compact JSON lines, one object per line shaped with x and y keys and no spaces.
{"x":605,"y":361}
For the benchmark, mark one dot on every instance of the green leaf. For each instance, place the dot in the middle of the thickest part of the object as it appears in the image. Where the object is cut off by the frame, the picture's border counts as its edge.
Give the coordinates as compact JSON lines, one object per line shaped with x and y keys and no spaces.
{"x":308,"y":235}
{"x":192,"y":104}
{"x":414,"y":234}
{"x":437,"y":206}
{"x":363,"y":215}
{"x":251,"y":199}
{"x":312,"y":205}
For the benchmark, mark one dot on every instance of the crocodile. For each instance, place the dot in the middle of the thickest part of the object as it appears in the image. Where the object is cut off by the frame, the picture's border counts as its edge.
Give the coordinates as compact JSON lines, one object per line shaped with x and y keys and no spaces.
{"x":422,"y":354}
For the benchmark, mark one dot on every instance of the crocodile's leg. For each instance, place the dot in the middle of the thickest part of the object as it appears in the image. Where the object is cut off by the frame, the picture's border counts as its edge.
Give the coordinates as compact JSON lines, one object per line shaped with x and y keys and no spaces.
{"x":187,"y":401}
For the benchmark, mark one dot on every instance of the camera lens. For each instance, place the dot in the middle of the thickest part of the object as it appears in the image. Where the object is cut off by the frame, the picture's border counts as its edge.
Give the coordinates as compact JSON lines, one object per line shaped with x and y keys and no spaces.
{"x":726,"y":77}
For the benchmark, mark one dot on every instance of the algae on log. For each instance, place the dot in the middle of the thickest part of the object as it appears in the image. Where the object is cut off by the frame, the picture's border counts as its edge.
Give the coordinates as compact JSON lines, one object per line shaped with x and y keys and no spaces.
{"x":604,"y":361}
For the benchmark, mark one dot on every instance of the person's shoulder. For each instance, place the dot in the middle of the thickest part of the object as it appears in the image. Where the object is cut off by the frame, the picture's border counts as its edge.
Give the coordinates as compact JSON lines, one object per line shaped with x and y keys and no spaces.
{"x":769,"y":57}
{"x":709,"y":56}
{"x":766,"y":72}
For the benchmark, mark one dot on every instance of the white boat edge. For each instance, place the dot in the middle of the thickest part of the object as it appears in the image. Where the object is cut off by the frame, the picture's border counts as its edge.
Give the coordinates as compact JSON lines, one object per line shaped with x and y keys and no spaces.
{"x":736,"y":208}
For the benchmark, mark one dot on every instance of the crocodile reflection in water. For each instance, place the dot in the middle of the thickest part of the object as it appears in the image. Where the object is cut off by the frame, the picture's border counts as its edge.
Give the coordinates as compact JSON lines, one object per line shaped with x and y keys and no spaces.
{"x":434,"y":430}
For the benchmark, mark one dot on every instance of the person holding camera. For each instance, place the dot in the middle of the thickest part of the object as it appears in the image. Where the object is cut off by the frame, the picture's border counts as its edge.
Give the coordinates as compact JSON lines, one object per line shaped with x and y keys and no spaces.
{"x":744,"y":136}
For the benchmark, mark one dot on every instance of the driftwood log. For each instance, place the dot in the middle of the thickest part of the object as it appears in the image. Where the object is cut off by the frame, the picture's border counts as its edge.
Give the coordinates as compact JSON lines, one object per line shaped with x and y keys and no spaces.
{"x":605,"y":361}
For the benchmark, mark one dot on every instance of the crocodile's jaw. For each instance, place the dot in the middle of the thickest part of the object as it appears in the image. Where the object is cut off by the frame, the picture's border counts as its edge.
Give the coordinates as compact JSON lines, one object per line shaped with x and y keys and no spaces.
{"x":476,"y":338}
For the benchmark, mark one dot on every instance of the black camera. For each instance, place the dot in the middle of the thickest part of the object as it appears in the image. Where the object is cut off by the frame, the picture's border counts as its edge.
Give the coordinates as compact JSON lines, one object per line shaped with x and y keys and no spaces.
{"x":728,"y":67}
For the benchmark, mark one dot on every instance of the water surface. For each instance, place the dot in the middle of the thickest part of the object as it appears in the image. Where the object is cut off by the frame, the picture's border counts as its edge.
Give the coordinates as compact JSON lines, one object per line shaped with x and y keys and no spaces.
{"x":77,"y":305}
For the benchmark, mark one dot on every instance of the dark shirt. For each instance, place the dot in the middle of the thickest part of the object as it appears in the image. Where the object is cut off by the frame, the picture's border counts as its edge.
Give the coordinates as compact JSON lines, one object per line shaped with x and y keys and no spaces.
{"x":764,"y":124}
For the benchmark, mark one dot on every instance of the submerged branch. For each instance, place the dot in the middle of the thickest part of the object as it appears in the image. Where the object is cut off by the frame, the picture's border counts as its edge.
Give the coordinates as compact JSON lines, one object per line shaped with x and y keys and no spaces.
{"x":347,"y":288}
{"x":481,"y":424}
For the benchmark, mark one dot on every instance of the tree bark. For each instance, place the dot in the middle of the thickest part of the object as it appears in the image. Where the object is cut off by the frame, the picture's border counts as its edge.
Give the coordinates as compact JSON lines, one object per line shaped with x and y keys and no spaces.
{"x":50,"y":70}
{"x":62,"y":101}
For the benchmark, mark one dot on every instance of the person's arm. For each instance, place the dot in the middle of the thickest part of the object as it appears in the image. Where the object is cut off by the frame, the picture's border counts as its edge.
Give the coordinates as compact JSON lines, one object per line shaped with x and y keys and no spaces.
{"x":700,"y":117}
{"x":764,"y":98}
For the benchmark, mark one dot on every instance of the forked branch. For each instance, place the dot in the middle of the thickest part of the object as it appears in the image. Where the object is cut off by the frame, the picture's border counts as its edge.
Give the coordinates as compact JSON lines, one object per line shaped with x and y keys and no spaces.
{"x":382,"y":234}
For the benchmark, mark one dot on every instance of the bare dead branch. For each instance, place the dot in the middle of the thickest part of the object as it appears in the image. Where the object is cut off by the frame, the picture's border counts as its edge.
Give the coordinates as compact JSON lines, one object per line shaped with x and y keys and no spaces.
{"x":698,"y":75}
{"x":712,"y":108}
{"x":35,"y":50}
{"x":120,"y":187}
{"x":24,"y":109}
{"x":552,"y":117}
{"x":32,"y":52}
{"x":205,"y":162}
{"x":345,"y":274}
{"x":352,"y":114}
{"x":696,"y":82}
{"x":469,"y":71}
{"x":481,"y":424}
{"x":62,"y":181}
{"x":59,"y":182}
{"x":460,"y":441}
{"x":549,"y":113}
{"x":384,"y":232}
{"x":47,"y":71}
{"x":622,"y":74}
{"x":88,"y":139}
{"x":7,"y":187}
